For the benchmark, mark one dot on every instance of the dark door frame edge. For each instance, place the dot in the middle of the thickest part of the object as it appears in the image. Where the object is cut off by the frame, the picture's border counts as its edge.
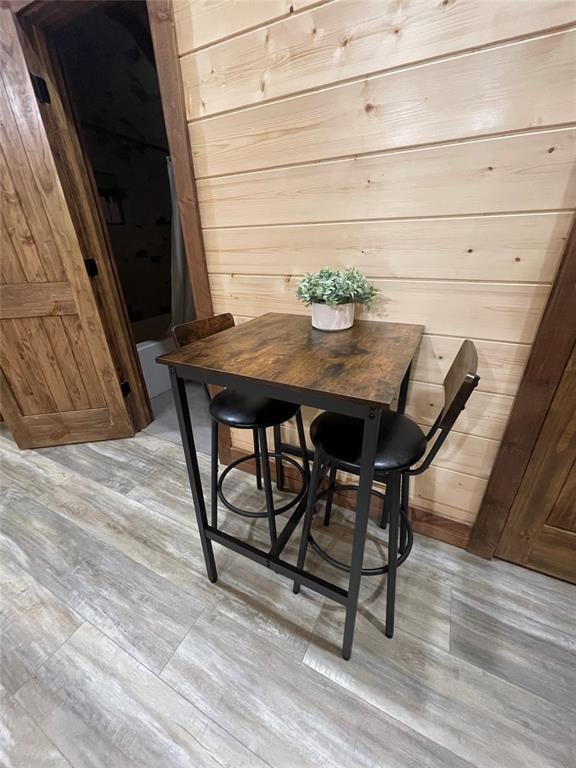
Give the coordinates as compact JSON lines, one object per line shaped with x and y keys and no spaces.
{"x":162,"y":26}
{"x":554,"y":340}
{"x":163,"y":29}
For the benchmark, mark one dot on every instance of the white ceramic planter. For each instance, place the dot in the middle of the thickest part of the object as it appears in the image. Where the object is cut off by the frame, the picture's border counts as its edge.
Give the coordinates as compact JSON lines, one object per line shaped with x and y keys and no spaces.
{"x":326,"y":318}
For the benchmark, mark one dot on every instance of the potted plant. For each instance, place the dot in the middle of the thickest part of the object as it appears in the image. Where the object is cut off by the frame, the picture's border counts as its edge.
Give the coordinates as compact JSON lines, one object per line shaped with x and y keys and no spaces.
{"x":333,"y":294}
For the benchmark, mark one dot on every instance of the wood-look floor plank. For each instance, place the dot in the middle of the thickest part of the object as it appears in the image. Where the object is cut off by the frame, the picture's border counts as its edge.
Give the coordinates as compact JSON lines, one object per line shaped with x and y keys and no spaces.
{"x":551,"y":599}
{"x":28,"y":471}
{"x":476,"y":715}
{"x":22,"y":743}
{"x":114,"y":539}
{"x":33,"y":625}
{"x":423,"y":603}
{"x":105,"y":710}
{"x":117,"y":467}
{"x":154,"y":540}
{"x":286,"y":714}
{"x":529,"y":654}
{"x":147,"y":615}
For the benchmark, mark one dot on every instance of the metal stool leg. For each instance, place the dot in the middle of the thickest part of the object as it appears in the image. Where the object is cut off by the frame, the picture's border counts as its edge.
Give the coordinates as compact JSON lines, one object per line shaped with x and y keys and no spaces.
{"x":303,"y":448}
{"x":267,"y":484}
{"x":278,"y":452}
{"x":394,"y":513}
{"x":214,"y":476}
{"x":404,"y":517}
{"x":385,"y":516}
{"x":314,"y":481}
{"x":330,"y":494}
{"x":257,"y":460}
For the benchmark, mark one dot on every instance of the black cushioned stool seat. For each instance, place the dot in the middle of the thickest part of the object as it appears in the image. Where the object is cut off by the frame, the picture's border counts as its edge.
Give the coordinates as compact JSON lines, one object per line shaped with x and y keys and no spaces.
{"x":239,"y":410}
{"x":401,"y":442}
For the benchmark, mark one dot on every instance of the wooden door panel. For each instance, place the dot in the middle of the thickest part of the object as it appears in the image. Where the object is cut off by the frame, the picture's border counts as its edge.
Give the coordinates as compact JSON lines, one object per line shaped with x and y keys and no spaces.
{"x":554,"y":552}
{"x":564,"y":513}
{"x":36,"y":300}
{"x":39,"y":259}
{"x":80,"y":192}
{"x":541,"y":529}
{"x":59,"y":382}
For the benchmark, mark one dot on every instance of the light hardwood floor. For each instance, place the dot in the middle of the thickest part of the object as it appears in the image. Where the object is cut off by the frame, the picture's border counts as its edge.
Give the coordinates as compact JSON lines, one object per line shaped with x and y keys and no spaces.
{"x":118,"y":653}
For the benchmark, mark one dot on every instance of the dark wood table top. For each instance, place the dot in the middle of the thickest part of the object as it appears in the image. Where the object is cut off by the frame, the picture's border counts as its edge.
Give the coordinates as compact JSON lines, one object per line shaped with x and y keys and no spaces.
{"x":364,"y":364}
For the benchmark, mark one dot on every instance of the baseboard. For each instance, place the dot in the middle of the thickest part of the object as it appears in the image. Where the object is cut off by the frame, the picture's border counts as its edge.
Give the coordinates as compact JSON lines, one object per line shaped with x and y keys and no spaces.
{"x":424,"y":522}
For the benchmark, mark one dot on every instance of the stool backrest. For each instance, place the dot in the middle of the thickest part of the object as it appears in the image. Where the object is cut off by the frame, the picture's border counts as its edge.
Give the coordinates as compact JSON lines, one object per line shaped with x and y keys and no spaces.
{"x":461,"y":380}
{"x":186,"y":333}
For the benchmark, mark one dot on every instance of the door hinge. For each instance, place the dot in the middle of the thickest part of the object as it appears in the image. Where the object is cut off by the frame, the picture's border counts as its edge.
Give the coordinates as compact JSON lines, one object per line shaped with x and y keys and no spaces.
{"x":125,"y":388}
{"x":40,"y":89}
{"x":91,"y":267}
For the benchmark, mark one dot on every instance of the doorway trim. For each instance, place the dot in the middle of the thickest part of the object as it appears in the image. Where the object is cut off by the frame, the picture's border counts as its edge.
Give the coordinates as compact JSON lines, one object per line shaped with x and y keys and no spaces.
{"x":163,"y":29}
{"x":550,"y":352}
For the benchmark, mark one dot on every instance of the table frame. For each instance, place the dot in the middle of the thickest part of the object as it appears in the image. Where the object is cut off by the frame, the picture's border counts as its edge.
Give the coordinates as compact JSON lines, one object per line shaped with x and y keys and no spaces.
{"x":272,"y":558}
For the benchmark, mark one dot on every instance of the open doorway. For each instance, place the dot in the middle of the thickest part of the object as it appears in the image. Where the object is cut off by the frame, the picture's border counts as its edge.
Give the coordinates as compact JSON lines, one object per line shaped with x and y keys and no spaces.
{"x":106,"y":61}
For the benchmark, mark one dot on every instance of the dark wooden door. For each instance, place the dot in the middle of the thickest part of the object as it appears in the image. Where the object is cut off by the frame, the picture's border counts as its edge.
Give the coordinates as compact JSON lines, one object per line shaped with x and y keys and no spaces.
{"x":540,"y":532}
{"x":59,"y":381}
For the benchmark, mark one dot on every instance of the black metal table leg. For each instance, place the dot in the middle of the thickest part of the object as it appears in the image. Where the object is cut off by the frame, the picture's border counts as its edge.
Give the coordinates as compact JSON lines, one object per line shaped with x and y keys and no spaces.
{"x":185,"y":424}
{"x":214,"y":476}
{"x":403,"y":392}
{"x":369,"y":443}
{"x":310,"y":502}
{"x":303,"y":448}
{"x":267,"y":484}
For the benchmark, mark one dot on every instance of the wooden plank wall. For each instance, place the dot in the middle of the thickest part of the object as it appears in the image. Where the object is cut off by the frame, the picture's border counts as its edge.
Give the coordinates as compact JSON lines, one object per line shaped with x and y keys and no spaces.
{"x":430,"y":143}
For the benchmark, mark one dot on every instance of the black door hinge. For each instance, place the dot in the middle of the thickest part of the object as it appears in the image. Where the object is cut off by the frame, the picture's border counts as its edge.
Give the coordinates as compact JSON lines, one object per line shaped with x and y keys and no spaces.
{"x":40,"y":89}
{"x":125,"y":388}
{"x":91,"y":267}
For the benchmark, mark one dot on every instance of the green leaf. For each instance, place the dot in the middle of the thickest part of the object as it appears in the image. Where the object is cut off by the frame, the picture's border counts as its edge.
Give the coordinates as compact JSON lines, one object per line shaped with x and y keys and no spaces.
{"x":334,"y":287}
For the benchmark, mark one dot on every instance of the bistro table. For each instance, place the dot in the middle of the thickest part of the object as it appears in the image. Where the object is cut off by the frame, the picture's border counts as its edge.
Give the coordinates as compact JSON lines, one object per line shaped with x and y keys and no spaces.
{"x":356,"y":372}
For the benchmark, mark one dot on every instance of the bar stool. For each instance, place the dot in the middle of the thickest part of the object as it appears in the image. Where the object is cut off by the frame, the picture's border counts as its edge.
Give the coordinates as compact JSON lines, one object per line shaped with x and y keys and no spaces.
{"x":241,"y":411}
{"x":401,"y":445}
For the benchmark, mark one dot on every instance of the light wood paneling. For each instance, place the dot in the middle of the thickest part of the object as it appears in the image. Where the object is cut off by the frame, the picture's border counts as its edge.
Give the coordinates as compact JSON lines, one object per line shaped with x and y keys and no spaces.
{"x":487,"y":310}
{"x":520,"y":173}
{"x":517,"y":248}
{"x":432,"y":145}
{"x":502,"y":364}
{"x":518,"y":86}
{"x":341,"y":40}
{"x":199,"y":22}
{"x":485,"y":415}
